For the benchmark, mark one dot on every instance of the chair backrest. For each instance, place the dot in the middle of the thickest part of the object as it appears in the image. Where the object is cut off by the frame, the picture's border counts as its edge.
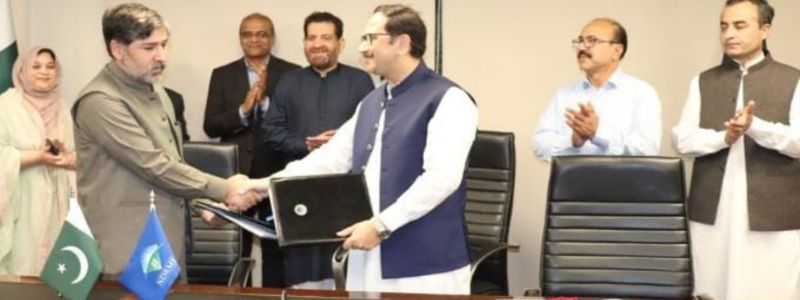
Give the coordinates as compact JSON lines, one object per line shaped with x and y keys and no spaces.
{"x":490,"y":195}
{"x":214,"y":251}
{"x":616,"y":227}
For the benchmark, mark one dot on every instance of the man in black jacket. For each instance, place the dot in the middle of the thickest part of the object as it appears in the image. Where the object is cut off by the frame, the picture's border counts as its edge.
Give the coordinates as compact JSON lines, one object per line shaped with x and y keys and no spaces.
{"x":238,"y":98}
{"x":177,"y":104}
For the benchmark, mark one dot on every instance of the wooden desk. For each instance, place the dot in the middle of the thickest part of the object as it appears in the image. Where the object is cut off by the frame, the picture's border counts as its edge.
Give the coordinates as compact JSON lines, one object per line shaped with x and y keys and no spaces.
{"x":23,"y":288}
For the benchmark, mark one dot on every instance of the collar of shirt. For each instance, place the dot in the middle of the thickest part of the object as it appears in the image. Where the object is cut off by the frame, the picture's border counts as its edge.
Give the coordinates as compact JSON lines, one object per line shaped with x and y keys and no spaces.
{"x":418,"y":75}
{"x":142,"y":88}
{"x":612,"y":83}
{"x":330,"y":73}
{"x":759,"y":58}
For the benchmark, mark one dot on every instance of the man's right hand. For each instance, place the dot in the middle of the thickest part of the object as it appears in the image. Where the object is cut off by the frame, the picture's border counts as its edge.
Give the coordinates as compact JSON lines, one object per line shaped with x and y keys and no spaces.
{"x":259,"y":186}
{"x":739,"y":123}
{"x":577,"y":140}
{"x":240,"y":197}
{"x":256,"y":92}
{"x":251,"y":99}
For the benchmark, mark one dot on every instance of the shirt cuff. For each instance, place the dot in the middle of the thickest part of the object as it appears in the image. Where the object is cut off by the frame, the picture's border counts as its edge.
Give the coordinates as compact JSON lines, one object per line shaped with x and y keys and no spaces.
{"x":264,"y":103}
{"x":718,"y":141}
{"x":242,"y":117}
{"x":758,"y":128}
{"x":601,"y":137}
{"x":391,"y":218}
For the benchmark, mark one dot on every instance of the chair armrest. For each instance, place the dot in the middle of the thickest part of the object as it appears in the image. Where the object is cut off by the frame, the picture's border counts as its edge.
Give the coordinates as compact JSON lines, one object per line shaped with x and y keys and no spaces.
{"x":241,"y":272}
{"x":339,"y":265}
{"x":532,"y":293}
{"x":486,"y":248}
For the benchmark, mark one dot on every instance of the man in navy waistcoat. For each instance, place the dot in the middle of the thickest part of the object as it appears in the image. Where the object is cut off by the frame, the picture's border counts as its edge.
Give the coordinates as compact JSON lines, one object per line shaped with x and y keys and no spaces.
{"x":411,"y":137}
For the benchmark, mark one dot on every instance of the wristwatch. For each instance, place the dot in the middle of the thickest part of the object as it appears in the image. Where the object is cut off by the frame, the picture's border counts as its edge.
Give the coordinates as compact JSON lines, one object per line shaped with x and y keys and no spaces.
{"x":383,"y":231}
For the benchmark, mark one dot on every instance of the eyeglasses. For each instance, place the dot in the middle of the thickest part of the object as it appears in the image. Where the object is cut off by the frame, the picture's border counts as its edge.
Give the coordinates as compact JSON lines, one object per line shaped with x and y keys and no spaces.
{"x":369,"y":37}
{"x":589,"y":42}
{"x":256,"y":34}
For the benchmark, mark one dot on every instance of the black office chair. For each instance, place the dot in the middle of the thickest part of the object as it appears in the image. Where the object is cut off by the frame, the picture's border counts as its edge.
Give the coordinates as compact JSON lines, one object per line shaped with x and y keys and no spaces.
{"x":214,"y":255}
{"x":490,"y":196}
{"x":490,"y":191}
{"x":616,"y":227}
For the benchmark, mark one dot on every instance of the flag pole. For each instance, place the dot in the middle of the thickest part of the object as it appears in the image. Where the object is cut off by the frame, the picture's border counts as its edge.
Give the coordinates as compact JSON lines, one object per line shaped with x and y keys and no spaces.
{"x":152,"y":200}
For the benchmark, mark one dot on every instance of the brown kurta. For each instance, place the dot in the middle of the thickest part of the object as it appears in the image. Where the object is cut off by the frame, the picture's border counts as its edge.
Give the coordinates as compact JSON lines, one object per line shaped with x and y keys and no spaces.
{"x":128,"y":144}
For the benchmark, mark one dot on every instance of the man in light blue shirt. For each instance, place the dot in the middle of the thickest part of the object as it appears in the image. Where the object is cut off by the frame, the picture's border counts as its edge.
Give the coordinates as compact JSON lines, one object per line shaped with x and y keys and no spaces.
{"x":607,"y":113}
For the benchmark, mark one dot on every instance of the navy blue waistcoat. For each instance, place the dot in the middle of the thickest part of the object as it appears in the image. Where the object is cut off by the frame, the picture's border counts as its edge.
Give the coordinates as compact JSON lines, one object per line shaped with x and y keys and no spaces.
{"x":436,"y":242}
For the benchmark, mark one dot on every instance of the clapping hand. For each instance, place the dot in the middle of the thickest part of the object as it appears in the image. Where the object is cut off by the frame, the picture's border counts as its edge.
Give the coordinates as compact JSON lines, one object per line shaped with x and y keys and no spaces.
{"x":583,"y":122}
{"x":262,"y":82}
{"x":739,"y":123}
{"x":256,"y":92}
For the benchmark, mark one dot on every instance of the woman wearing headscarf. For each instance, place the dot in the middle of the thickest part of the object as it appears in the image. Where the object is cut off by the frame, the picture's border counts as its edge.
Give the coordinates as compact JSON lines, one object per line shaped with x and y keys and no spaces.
{"x":36,"y":161}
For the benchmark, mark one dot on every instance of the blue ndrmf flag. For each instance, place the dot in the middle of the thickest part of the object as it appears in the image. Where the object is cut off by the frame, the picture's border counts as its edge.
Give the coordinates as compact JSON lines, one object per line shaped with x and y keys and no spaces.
{"x":152,"y":268}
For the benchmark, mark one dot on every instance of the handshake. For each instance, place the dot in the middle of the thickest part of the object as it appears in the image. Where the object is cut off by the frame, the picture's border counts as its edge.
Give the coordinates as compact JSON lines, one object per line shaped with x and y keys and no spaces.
{"x":243,"y":193}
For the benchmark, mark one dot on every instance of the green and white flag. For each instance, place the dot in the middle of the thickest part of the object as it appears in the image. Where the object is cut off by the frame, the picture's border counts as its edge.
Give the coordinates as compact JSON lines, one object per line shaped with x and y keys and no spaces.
{"x":74,"y":263}
{"x":8,"y":45}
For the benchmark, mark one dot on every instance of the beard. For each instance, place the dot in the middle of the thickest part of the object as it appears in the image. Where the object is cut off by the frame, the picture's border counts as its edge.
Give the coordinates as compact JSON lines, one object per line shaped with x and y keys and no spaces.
{"x":321,"y":64}
{"x":321,"y":59}
{"x":154,"y":74}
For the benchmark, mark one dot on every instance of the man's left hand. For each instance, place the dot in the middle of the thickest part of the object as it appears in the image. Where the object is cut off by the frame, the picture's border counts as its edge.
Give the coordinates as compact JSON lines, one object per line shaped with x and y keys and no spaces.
{"x":739,"y":123}
{"x":584,"y":122}
{"x":262,"y":82}
{"x":362,"y":236}
{"x":212,"y":219}
{"x":314,"y":142}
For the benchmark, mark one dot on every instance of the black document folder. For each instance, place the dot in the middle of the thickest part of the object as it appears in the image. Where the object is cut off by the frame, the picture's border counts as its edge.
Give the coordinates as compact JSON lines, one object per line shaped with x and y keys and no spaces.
{"x":311,"y":209}
{"x":259,"y":228}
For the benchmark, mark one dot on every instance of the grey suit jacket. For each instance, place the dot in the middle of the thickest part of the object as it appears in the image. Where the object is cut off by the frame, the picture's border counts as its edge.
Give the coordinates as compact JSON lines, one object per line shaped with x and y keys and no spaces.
{"x":128,"y":143}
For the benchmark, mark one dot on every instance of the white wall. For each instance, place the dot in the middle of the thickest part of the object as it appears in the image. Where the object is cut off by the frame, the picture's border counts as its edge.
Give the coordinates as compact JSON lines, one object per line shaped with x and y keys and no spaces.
{"x":203,"y":35}
{"x":511,"y":55}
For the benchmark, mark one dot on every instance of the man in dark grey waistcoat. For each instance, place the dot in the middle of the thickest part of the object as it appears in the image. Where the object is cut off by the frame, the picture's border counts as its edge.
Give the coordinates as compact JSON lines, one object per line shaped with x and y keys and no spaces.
{"x":740,"y":125}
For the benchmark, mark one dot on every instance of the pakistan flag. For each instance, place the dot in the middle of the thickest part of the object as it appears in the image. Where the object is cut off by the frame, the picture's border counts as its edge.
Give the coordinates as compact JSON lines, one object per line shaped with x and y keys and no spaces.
{"x":8,"y":45}
{"x":74,"y":263}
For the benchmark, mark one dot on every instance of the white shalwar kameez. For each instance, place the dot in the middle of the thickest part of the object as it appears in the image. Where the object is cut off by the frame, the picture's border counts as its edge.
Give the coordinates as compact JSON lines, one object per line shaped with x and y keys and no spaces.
{"x":732,"y":262}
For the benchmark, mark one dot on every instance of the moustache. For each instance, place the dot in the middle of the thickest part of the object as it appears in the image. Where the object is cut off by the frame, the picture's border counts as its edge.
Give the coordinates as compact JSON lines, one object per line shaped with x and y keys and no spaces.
{"x":159,"y":66}
{"x":319,"y":50}
{"x":584,"y":53}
